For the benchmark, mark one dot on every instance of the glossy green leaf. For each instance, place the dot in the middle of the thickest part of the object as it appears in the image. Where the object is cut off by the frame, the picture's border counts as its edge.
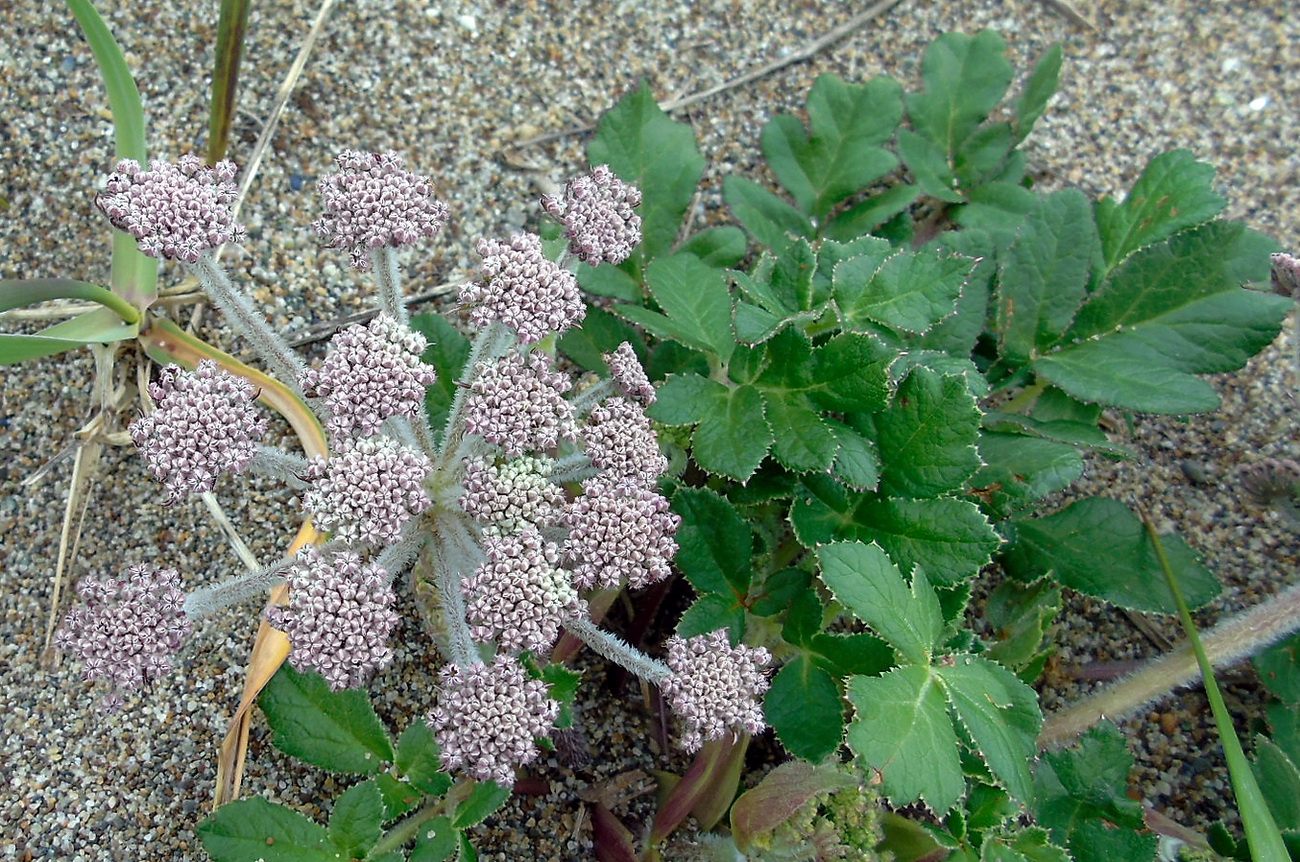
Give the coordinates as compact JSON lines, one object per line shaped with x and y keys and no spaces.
{"x":1020,"y":470}
{"x":357,"y":819}
{"x":770,"y":220}
{"x":335,"y":730}
{"x":804,"y":441}
{"x":908,"y":292}
{"x":1100,"y":548}
{"x":902,"y":728}
{"x":1001,"y":715}
{"x":611,"y":281}
{"x":926,"y":438}
{"x":647,"y":148}
{"x":437,"y":841}
{"x":849,"y":373}
{"x":1170,"y":312}
{"x":1019,"y":616}
{"x":1043,"y":276}
{"x":417,"y":760}
{"x":710,"y":612}
{"x":715,"y":545}
{"x":1175,"y":192}
{"x":863,"y":579}
{"x":447,"y":351}
{"x":841,"y":152}
{"x":257,"y":829}
{"x":695,"y":302}
{"x":857,"y":464}
{"x":805,"y":708}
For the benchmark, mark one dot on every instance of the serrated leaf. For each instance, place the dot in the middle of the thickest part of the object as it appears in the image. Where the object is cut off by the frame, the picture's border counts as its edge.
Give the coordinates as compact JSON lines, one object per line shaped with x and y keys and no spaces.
{"x":929,"y":166}
{"x":965,"y":77}
{"x":600,"y":333}
{"x":437,"y":841}
{"x":734,"y":436}
{"x":1170,"y":312}
{"x":1039,"y":89}
{"x":949,"y":538}
{"x":399,"y":797}
{"x":1094,"y":841}
{"x":1100,"y":548}
{"x":804,"y":441}
{"x":685,"y":399}
{"x":1001,"y":715}
{"x":1043,"y":276}
{"x":864,"y":217}
{"x":908,"y":292}
{"x":1284,"y":727}
{"x":983,"y":156}
{"x":418,"y":760}
{"x":997,"y":208}
{"x":257,"y":829}
{"x":715,"y":545}
{"x":1279,"y":669}
{"x":850,"y":374}
{"x":611,"y":281}
{"x":753,"y":325}
{"x":805,"y":709}
{"x":1279,"y":782}
{"x":903,"y":730}
{"x":857,"y":463}
{"x":696,"y":304}
{"x":483,"y":800}
{"x":1019,"y":616}
{"x":447,"y":352}
{"x":711,"y":612}
{"x":926,"y":438}
{"x":721,"y":247}
{"x":357,"y":819}
{"x":840,"y":153}
{"x":335,"y":730}
{"x":844,"y":655}
{"x":1027,"y":845}
{"x":1020,"y":470}
{"x":1174,"y":193}
{"x":863,"y":579}
{"x":647,"y":148}
{"x":769,"y":220}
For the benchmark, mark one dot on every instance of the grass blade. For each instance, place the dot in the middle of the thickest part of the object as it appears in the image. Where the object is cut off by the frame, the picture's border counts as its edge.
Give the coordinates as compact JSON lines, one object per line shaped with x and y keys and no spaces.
{"x":231,"y":28}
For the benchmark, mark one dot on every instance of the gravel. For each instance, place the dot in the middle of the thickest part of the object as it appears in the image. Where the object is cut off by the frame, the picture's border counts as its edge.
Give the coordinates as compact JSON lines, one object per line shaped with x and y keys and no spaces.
{"x":451,"y":85}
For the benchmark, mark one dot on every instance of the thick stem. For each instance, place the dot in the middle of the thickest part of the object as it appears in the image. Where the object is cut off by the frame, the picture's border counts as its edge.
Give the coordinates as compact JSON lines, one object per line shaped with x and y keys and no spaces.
{"x":457,"y":555}
{"x":1228,"y":642}
{"x":388,"y":279}
{"x":279,"y":465}
{"x":490,"y":343}
{"x":207,"y":601}
{"x":279,"y":357}
{"x":619,"y":651}
{"x":572,"y":468}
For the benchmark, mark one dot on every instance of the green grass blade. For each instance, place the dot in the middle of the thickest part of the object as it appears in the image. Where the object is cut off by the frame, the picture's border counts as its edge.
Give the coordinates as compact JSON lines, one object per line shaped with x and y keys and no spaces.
{"x":135,"y":276}
{"x":231,"y":28}
{"x":1262,"y":834}
{"x":18,"y":292}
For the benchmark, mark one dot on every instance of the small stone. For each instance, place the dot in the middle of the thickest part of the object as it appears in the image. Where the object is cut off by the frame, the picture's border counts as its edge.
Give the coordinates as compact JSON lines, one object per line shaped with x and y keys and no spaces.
{"x":1168,"y":723}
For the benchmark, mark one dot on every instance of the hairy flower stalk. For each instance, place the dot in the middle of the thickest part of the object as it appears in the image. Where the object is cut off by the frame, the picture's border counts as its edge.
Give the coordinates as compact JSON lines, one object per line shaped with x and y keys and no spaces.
{"x":509,"y":545}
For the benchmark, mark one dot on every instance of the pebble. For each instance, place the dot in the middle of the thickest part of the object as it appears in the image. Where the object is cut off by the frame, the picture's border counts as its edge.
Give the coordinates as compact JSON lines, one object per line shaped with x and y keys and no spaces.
{"x":443,"y":85}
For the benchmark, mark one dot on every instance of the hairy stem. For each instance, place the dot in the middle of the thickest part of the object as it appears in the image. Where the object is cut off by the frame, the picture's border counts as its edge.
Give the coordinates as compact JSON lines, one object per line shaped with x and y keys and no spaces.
{"x":619,"y":651}
{"x":279,"y":465}
{"x":388,"y":279}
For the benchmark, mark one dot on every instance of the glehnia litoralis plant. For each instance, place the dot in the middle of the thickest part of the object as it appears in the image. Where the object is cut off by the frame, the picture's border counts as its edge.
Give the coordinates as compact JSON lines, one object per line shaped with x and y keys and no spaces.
{"x":531,"y":492}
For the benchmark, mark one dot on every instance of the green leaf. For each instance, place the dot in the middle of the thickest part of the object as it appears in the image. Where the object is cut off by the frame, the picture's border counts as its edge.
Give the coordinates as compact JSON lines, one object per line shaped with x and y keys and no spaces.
{"x":734,"y":436}
{"x":804,"y":441}
{"x":232,"y":32}
{"x":902,"y":728}
{"x":843,"y":153}
{"x":437,"y":841}
{"x":1027,"y":845}
{"x":1043,"y":276}
{"x":769,"y":220}
{"x":447,"y":351}
{"x":399,"y":797}
{"x":723,"y":247}
{"x":926,"y":438}
{"x":1020,"y":470}
{"x":715,"y":545}
{"x":909,"y":292}
{"x":1279,"y":669}
{"x":929,"y":166}
{"x":1019,"y":616}
{"x":600,"y":333}
{"x":850,"y":374}
{"x":863,"y":579}
{"x":257,"y":829}
{"x":965,"y":77}
{"x":645,"y":147}
{"x":998,"y":208}
{"x":483,"y":800}
{"x":696,"y":304}
{"x":1039,"y":89}
{"x":1174,"y":193}
{"x":949,"y":538}
{"x":417,"y":760}
{"x":710,"y":612}
{"x":864,"y":217}
{"x":1098,"y":547}
{"x":685,"y":399}
{"x":984,"y":155}
{"x":335,"y":730}
{"x":611,"y":281}
{"x":1170,"y":312}
{"x":1279,"y":781}
{"x":357,"y":819}
{"x":18,"y":292}
{"x":844,"y":655}
{"x":1001,"y":715}
{"x":100,"y":326}
{"x":857,"y":464}
{"x":805,"y":709}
